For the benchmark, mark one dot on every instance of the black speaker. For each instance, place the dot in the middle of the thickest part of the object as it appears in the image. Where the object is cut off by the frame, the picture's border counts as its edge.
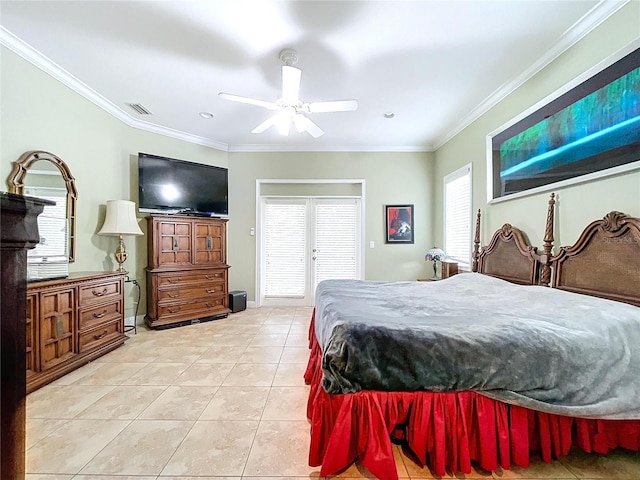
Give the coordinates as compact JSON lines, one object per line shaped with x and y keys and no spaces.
{"x":237,"y":301}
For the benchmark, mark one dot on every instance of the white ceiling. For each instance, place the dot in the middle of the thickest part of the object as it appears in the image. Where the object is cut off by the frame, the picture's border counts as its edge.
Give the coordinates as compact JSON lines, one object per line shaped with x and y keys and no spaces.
{"x":436,"y":64}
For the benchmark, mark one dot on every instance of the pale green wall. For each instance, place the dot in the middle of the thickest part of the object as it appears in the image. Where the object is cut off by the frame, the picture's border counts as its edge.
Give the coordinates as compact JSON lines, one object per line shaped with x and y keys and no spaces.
{"x":39,"y":113}
{"x":578,"y":204}
{"x":390,"y":178}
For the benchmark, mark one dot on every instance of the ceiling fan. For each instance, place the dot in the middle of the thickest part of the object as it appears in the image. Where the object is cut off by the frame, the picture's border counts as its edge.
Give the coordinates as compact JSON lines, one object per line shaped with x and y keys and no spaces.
{"x":290,"y":110}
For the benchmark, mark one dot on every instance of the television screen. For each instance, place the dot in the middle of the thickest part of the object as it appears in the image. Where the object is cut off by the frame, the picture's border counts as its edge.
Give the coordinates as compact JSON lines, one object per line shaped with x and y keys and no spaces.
{"x":167,"y":185}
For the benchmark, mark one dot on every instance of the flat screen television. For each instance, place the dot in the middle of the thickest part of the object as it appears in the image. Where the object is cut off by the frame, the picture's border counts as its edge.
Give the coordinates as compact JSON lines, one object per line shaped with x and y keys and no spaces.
{"x":168,"y":185}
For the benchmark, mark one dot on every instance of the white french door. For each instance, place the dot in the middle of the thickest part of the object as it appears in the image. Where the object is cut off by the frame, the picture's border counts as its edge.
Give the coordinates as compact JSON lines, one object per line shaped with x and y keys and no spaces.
{"x":306,"y":240}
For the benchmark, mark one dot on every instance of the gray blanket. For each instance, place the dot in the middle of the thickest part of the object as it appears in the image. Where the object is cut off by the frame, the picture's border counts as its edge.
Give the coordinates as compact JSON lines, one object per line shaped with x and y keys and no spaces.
{"x":537,"y":347}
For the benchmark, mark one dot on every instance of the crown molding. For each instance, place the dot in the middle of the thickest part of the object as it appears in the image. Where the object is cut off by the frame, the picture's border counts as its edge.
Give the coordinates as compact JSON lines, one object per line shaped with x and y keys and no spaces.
{"x":326,"y":148}
{"x":26,"y":51}
{"x":593,"y":18}
{"x":33,"y":56}
{"x":598,"y":14}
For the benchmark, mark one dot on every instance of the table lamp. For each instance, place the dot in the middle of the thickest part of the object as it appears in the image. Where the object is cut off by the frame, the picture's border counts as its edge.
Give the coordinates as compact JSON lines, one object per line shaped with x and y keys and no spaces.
{"x":435,"y":255}
{"x":120,"y":220}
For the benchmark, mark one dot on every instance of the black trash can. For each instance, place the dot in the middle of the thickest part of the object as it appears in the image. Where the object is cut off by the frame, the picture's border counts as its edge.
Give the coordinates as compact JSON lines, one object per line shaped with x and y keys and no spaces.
{"x":237,"y":301}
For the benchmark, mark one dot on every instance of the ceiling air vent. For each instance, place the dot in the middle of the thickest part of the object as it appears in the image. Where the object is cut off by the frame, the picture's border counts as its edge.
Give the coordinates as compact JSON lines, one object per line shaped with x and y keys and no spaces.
{"x":139,"y":108}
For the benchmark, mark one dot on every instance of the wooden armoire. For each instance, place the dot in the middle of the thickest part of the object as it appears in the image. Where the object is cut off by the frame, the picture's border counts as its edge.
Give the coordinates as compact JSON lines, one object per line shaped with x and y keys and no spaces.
{"x":187,"y":273}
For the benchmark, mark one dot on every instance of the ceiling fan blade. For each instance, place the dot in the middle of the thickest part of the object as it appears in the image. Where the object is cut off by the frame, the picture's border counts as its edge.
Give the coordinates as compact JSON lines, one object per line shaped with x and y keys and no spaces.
{"x":290,"y":84}
{"x":314,"y":130}
{"x":250,"y":101}
{"x":298,"y":121}
{"x":266,"y":124}
{"x":334,"y":106}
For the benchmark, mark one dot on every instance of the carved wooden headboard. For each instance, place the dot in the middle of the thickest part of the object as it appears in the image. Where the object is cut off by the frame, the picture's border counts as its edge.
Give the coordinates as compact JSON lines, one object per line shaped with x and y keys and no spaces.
{"x":508,"y":256}
{"x":604,"y":262}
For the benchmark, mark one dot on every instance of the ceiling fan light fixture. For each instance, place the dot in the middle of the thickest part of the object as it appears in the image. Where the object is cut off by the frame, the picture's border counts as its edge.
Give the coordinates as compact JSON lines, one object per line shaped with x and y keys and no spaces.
{"x":283,"y":122}
{"x":290,"y":108}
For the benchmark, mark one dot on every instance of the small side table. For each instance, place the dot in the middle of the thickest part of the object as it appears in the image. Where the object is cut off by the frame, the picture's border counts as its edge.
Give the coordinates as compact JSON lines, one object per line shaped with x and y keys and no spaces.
{"x":449,"y":269}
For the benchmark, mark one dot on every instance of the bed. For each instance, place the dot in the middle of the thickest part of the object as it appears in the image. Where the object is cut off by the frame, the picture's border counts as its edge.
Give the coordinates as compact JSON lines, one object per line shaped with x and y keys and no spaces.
{"x":457,"y":382}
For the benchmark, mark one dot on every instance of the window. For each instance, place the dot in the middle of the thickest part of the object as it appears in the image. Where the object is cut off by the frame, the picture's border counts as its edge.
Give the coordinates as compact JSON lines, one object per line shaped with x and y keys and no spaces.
{"x":457,"y":216}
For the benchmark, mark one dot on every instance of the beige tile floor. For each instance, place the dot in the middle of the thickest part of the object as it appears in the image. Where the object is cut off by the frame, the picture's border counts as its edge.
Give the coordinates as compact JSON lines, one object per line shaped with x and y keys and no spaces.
{"x":221,"y":400}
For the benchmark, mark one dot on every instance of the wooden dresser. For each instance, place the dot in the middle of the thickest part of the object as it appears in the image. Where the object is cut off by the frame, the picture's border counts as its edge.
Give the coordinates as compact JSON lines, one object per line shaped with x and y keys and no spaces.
{"x":187,"y":270}
{"x":72,"y":321}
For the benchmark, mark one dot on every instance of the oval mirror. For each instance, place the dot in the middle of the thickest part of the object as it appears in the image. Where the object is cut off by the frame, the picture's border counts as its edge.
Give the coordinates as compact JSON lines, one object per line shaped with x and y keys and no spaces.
{"x":44,"y":175}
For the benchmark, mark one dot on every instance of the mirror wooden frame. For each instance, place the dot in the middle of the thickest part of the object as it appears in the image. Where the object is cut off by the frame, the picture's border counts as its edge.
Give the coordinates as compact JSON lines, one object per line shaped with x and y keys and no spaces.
{"x":16,"y":185}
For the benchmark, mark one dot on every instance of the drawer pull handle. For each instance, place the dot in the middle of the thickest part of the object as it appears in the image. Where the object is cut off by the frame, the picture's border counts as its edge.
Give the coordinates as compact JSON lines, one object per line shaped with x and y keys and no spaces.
{"x":176,"y":243}
{"x":211,"y":305}
{"x":100,"y":315}
{"x":173,"y":296}
{"x":209,"y":242}
{"x":98,"y":337}
{"x":176,"y":310}
{"x":212,"y":290}
{"x":99,"y":294}
{"x":171,"y":281}
{"x":212,"y":277}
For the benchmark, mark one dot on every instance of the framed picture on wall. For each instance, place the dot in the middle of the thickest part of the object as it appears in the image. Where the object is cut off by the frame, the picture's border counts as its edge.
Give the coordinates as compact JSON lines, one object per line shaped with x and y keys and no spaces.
{"x":399,"y":224}
{"x":587,"y":131}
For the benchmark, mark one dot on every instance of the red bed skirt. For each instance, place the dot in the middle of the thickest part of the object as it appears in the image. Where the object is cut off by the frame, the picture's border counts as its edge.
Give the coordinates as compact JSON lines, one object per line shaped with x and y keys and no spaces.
{"x":446,"y":431}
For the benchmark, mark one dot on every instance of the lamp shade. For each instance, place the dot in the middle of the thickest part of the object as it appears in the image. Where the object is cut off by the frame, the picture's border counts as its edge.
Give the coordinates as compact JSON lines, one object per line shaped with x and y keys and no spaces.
{"x":120,"y":219}
{"x":435,"y":253}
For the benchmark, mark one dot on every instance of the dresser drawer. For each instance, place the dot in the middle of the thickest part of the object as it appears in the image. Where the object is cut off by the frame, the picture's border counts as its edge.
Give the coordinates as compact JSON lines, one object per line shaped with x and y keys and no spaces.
{"x":176,"y":294}
{"x":99,"y":292}
{"x":101,"y":335}
{"x":192,"y":309}
{"x":166,"y":280}
{"x":90,"y":317}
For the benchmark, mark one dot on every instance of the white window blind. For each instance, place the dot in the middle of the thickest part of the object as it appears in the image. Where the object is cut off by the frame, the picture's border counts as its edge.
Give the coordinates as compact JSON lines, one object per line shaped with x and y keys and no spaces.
{"x":457,"y":216}
{"x":336,"y":240}
{"x":285,"y":232}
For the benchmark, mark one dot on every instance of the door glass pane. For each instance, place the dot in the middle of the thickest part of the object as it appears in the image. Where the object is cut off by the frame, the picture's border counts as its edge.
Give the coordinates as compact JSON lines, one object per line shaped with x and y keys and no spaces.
{"x":336,"y":240}
{"x":285,"y":233}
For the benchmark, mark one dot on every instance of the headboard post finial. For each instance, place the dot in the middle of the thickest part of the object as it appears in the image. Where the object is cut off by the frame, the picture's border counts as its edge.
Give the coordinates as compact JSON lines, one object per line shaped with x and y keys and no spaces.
{"x":545,"y":276}
{"x":476,"y":244}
